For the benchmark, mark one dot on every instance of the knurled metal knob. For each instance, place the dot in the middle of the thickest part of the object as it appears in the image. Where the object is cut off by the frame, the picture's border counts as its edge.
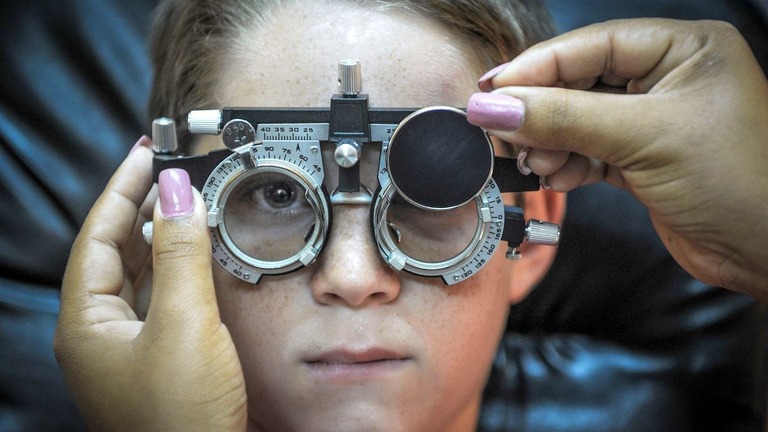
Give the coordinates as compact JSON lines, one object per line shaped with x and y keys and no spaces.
{"x":347,"y":153}
{"x":350,"y":78}
{"x":207,"y":122}
{"x":541,"y":232}
{"x":164,"y":136}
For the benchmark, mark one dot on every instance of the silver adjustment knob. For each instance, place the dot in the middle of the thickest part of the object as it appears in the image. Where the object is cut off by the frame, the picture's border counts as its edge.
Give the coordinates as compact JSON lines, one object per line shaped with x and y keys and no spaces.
{"x":207,"y":122}
{"x":543,"y":233}
{"x":350,"y":78}
{"x":514,"y":254}
{"x":347,"y":153}
{"x":147,"y":231}
{"x":164,"y":136}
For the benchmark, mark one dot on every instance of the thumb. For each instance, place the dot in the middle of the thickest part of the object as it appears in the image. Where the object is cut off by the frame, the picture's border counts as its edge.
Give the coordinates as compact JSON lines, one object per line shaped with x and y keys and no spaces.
{"x":614,"y":128}
{"x":182,"y":285}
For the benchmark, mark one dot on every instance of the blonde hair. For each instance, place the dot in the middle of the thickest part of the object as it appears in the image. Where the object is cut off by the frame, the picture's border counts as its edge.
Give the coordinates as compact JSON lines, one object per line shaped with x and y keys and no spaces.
{"x":189,"y":37}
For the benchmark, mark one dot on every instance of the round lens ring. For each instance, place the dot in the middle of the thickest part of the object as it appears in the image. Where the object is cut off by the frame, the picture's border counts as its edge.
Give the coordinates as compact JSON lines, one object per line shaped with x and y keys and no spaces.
{"x":400,"y":254}
{"x":437,"y":160}
{"x":270,"y":218}
{"x":267,"y":215}
{"x":276,"y":240}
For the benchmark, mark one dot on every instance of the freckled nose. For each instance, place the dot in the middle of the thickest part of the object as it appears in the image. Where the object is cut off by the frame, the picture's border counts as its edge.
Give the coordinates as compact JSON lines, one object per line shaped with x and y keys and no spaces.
{"x":350,"y":270}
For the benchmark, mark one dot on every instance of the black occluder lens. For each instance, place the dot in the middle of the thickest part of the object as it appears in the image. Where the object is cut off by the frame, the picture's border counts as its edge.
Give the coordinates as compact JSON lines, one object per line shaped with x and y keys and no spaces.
{"x":439,"y":160}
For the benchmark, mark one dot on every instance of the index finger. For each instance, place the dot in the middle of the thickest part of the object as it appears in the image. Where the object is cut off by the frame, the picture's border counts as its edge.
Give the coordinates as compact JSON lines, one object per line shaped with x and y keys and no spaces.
{"x":95,"y":264}
{"x":643,"y":50}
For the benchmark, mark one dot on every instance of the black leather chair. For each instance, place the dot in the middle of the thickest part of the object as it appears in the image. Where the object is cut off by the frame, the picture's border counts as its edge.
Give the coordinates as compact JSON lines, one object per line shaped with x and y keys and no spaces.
{"x":617,"y":337}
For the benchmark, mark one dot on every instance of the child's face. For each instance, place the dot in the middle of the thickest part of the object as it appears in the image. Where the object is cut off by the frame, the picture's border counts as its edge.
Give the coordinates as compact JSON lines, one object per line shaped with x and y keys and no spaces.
{"x":347,"y":343}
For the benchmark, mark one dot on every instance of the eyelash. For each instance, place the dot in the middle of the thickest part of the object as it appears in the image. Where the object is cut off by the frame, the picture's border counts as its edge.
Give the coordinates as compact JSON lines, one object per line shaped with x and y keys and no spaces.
{"x":256,"y":194}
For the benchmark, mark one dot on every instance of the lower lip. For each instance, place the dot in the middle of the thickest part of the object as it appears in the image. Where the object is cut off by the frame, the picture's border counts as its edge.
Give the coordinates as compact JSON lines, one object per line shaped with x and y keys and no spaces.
{"x":355,"y":372}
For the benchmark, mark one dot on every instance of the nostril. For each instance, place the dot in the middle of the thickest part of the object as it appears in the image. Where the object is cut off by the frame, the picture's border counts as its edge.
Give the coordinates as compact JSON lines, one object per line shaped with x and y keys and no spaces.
{"x":331,"y":298}
{"x":381,"y":297}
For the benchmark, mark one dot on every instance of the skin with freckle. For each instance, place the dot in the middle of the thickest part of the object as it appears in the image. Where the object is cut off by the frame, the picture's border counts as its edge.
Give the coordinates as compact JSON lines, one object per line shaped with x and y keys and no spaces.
{"x":350,"y":297}
{"x":161,"y":337}
{"x":421,"y":349}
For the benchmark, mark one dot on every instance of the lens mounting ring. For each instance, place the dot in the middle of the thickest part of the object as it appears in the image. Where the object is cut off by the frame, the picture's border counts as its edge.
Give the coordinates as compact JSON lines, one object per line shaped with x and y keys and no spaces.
{"x":269,"y":156}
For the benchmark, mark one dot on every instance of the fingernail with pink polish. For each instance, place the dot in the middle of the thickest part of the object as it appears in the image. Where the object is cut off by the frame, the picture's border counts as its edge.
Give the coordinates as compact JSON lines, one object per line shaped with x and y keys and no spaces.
{"x":484,"y":83}
{"x":522,"y":162}
{"x":495,"y":111}
{"x":144,"y":141}
{"x":176,"y":199}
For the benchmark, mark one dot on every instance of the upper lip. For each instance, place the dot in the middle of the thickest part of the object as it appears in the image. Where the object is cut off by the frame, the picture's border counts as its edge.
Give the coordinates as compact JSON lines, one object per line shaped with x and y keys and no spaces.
{"x":352,"y":356}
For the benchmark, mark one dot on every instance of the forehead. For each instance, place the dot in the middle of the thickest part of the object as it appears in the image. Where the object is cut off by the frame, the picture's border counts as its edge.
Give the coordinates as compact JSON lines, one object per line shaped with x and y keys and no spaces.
{"x":291,"y":59}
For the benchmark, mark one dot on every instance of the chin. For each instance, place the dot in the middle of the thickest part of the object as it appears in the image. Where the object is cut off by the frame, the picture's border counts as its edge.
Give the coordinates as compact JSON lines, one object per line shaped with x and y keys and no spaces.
{"x":352,"y":419}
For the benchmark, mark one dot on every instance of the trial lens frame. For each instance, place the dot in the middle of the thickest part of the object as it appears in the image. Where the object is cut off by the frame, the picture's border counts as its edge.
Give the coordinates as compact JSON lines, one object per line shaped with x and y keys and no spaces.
{"x":288,"y":140}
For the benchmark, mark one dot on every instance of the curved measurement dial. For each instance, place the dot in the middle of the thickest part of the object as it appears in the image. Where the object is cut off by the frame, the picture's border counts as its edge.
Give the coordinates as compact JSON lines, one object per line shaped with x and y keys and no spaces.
{"x":491,"y":210}
{"x":299,"y":160}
